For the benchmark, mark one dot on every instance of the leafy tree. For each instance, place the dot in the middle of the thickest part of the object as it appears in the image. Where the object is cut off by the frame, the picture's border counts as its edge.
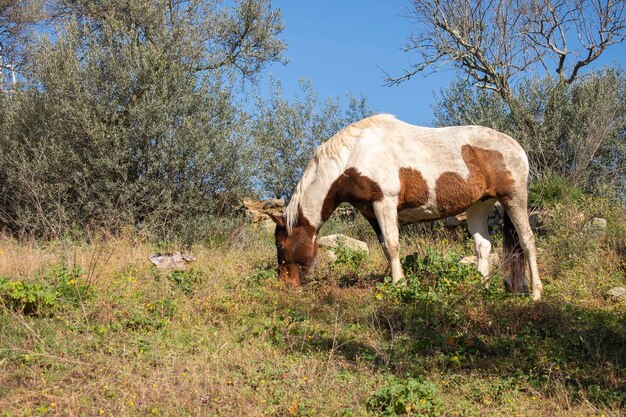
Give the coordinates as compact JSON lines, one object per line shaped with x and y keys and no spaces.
{"x":496,"y":45}
{"x":128,"y":116}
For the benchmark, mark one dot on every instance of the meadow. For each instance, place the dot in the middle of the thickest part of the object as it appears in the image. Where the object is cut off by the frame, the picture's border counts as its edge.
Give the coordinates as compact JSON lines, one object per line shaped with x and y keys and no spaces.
{"x":89,"y":327}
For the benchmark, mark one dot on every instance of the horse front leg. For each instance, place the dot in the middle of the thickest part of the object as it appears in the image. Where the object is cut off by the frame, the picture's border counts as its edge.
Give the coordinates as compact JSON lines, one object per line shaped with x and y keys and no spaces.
{"x":387,"y":215}
{"x":477,"y":216}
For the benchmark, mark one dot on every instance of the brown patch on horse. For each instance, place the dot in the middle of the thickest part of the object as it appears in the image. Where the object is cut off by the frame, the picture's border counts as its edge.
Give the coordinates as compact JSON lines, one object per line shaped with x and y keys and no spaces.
{"x":488,"y":178}
{"x":296,"y":251}
{"x":413,"y":189}
{"x":354,"y":188}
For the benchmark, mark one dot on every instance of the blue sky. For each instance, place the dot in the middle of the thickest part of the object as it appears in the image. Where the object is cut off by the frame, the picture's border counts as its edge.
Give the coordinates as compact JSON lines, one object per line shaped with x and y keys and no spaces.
{"x":343,"y":45}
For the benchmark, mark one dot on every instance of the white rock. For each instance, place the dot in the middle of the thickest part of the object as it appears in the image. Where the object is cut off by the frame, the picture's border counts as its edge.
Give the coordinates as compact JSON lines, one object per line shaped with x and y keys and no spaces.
{"x":332,"y":241}
{"x":174,"y":260}
{"x":617,"y":293}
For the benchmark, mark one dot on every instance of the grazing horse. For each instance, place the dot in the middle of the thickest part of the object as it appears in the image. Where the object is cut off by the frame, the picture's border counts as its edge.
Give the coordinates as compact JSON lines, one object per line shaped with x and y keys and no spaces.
{"x":395,"y":173}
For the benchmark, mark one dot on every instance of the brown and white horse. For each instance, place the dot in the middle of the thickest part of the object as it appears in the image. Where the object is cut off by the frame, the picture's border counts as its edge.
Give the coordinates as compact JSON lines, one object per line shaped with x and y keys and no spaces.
{"x":396,"y":173}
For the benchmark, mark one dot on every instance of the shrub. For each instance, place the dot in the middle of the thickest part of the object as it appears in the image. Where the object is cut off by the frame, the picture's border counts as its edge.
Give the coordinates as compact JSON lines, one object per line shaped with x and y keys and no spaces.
{"x":348,"y":259}
{"x":410,"y":396}
{"x":33,"y":299}
{"x":551,"y":190}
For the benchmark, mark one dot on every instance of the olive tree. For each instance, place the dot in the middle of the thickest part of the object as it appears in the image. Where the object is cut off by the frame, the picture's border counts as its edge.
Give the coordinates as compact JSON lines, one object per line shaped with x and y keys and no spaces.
{"x":127,"y":116}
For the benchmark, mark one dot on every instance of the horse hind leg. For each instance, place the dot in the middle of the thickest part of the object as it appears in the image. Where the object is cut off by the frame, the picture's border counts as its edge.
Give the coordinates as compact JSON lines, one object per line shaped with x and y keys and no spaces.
{"x":477,"y":216}
{"x":518,"y":214}
{"x":387,"y":216}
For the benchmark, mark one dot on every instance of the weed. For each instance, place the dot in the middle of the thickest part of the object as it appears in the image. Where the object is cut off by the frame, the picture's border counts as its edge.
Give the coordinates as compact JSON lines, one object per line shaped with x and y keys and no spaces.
{"x":410,"y":396}
{"x":348,"y":260}
{"x":33,"y":299}
{"x":186,"y":280}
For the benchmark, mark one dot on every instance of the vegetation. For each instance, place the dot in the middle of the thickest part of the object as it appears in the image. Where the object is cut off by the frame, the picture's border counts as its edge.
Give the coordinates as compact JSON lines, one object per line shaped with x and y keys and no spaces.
{"x":124,"y":131}
{"x":94,"y":329}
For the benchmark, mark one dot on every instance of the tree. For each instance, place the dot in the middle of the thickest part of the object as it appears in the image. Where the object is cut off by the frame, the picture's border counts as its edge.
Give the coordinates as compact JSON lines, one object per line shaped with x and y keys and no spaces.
{"x":127,"y":116}
{"x":495,"y":42}
{"x":16,"y":18}
{"x":581,"y":140}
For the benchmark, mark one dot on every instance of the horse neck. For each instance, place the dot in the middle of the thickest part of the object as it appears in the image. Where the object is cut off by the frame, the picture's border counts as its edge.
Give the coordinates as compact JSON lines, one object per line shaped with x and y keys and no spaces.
{"x":314,"y":191}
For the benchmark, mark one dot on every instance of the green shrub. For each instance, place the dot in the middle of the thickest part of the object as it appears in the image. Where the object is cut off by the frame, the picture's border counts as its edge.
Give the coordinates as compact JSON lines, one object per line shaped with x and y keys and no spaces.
{"x":348,"y":259}
{"x":69,"y":285}
{"x":32,"y":299}
{"x":410,"y":396}
{"x":186,"y":281}
{"x":551,"y":190}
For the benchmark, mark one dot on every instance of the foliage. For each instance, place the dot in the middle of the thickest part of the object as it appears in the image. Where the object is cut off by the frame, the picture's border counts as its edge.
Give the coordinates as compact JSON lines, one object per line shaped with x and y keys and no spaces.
{"x":410,"y":396}
{"x":186,"y":280}
{"x":432,"y":277}
{"x":551,"y":190}
{"x":27,"y":298}
{"x":59,"y":287}
{"x":127,"y":116}
{"x":347,"y":258}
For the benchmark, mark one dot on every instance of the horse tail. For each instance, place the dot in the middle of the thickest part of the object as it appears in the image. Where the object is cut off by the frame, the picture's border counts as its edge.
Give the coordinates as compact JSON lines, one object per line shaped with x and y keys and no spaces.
{"x":514,"y":256}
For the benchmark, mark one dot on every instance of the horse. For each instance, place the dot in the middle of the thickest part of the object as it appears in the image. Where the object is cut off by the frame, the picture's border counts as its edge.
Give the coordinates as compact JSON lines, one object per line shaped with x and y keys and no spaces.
{"x":395,"y":173}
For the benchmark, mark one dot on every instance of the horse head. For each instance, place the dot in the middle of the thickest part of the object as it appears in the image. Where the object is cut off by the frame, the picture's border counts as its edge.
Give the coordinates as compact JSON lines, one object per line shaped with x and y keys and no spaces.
{"x":296,"y":250}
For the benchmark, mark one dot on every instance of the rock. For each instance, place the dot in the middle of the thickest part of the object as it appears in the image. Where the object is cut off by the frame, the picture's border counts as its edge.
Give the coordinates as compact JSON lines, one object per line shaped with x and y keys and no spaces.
{"x":535,"y":221}
{"x":169,"y":261}
{"x":469,"y":260}
{"x":595,"y":228}
{"x":616,"y":294}
{"x":332,"y":241}
{"x":455,"y":221}
{"x":330,"y":255}
{"x":256,"y":210}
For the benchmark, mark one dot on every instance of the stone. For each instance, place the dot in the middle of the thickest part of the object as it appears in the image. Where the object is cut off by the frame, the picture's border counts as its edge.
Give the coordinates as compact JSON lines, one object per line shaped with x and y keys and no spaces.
{"x":255,"y":211}
{"x":469,"y":260}
{"x":455,"y":221}
{"x":595,"y":228}
{"x":330,"y":255}
{"x":535,"y":221}
{"x":332,"y":241}
{"x":616,"y":294}
{"x":171,"y":261}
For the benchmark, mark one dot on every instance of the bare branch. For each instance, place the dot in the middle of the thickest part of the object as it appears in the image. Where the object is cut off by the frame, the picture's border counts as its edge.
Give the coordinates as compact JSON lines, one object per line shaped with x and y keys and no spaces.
{"x":496,"y":42}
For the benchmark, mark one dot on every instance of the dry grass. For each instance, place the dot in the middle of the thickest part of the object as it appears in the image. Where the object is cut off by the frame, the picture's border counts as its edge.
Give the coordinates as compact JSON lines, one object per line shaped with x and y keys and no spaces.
{"x":227,"y":339}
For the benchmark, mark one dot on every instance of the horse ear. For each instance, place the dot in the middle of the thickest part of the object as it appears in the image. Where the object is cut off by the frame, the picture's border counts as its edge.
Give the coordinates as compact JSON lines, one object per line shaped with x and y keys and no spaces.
{"x":277,"y":219}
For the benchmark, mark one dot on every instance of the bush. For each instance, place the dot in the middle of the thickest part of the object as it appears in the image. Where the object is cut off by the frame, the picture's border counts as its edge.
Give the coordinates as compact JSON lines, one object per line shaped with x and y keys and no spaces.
{"x":551,"y":190}
{"x":33,"y":299}
{"x":410,"y":396}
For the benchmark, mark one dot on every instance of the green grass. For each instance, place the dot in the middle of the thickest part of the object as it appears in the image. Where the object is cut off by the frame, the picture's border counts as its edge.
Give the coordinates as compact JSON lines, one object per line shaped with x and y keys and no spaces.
{"x":110,"y":335}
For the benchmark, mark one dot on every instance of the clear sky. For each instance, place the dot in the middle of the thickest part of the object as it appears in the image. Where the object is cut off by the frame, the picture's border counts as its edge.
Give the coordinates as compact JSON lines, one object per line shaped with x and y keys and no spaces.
{"x":343,"y":46}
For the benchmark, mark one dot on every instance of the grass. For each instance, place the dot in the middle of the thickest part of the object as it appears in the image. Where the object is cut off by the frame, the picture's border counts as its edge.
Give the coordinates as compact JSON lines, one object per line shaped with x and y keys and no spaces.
{"x":111,"y":335}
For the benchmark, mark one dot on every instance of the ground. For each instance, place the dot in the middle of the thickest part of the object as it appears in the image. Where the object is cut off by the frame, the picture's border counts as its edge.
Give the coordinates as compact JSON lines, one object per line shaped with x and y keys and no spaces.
{"x":94,"y":329}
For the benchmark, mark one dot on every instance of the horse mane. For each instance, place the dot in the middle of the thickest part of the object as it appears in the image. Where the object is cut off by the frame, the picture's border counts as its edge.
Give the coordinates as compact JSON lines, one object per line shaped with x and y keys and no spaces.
{"x":329,"y":150}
